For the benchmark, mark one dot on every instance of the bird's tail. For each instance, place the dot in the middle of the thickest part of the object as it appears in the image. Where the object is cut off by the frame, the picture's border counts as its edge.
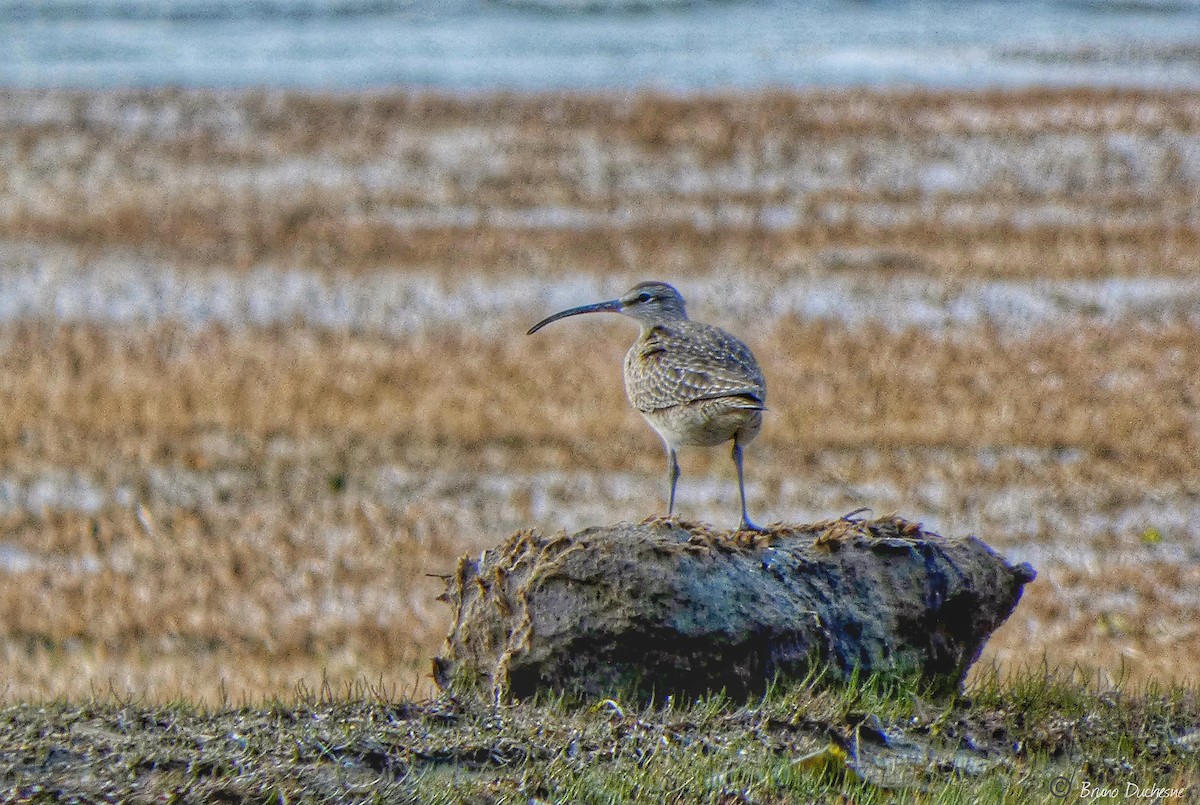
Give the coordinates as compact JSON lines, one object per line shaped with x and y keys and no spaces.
{"x":747,"y":399}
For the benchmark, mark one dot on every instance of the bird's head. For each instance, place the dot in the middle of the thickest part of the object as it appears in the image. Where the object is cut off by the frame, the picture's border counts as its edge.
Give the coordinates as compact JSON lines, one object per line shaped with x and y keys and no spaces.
{"x":648,"y":302}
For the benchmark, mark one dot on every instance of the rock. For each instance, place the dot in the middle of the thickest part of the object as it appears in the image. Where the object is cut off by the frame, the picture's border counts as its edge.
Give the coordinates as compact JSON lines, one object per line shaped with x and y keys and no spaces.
{"x":674,"y":608}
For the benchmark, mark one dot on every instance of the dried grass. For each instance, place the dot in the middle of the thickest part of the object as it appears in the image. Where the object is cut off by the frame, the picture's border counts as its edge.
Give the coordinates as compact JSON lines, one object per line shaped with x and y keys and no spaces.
{"x":196,"y":510}
{"x":250,"y":530}
{"x":1013,"y":184}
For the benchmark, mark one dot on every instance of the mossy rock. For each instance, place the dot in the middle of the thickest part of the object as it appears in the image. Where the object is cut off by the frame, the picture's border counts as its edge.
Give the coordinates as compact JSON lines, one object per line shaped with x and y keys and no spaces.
{"x":674,"y":608}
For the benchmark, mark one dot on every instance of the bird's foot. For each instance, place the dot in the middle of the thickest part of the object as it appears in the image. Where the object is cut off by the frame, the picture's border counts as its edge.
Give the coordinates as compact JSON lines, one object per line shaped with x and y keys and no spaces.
{"x":747,"y":525}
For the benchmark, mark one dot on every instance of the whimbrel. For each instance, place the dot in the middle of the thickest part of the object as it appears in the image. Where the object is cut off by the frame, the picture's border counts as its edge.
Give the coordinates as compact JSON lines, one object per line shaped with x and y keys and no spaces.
{"x":695,"y":384}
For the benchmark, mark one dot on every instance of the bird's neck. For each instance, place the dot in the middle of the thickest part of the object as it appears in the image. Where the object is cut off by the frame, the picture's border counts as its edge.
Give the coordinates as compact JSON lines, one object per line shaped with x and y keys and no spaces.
{"x":649,"y":324}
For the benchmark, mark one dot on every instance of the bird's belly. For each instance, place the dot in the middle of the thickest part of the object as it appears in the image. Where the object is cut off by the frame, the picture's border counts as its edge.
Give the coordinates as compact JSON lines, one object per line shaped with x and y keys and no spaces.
{"x":705,"y":423}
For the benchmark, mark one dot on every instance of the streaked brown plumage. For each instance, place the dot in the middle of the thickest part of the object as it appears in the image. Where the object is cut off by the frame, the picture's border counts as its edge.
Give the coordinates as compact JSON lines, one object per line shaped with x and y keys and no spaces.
{"x":695,"y":384}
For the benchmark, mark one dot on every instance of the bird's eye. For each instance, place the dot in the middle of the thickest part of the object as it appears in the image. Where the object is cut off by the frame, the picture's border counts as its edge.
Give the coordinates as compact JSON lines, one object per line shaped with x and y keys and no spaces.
{"x":644,"y":297}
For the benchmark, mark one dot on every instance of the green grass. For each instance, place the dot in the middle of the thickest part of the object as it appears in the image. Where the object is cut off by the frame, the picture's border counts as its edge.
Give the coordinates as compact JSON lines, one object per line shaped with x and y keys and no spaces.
{"x":872,"y":741}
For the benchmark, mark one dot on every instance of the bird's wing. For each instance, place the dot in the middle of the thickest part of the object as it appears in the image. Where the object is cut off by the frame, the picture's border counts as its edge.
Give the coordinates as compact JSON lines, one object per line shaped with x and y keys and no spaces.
{"x":682,"y":362}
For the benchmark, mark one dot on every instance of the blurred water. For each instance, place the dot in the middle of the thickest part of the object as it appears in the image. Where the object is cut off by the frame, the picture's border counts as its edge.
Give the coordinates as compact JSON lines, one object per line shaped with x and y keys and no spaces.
{"x":564,"y":44}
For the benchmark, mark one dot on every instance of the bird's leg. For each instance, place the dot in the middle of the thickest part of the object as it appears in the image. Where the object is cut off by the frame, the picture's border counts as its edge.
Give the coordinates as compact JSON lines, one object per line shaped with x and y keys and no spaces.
{"x":673,"y":475}
{"x":746,"y":524}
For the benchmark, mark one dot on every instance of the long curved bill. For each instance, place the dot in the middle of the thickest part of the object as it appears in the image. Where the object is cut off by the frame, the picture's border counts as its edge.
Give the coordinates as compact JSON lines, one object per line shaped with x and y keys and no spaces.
{"x":611,"y":306}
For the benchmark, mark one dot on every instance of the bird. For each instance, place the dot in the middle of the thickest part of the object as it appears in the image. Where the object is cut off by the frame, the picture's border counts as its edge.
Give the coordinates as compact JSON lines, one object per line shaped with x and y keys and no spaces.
{"x":694,"y":383}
